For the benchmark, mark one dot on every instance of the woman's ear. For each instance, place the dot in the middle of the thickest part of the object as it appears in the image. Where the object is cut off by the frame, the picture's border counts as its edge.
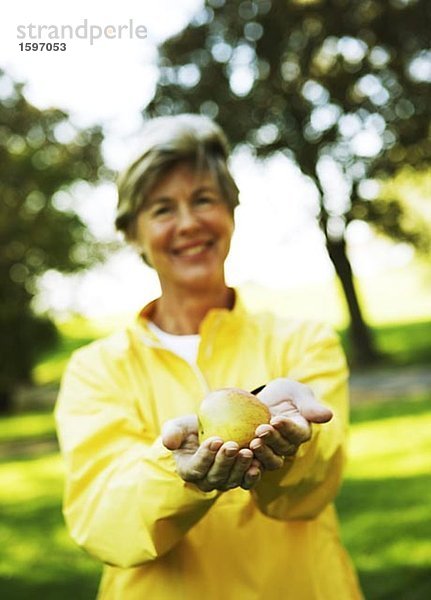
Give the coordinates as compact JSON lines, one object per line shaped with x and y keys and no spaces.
{"x":140,"y":248}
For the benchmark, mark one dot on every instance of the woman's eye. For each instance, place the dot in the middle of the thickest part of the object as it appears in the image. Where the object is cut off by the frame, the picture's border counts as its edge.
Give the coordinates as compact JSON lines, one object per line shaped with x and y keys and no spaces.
{"x":203,"y":200}
{"x":160,"y":210}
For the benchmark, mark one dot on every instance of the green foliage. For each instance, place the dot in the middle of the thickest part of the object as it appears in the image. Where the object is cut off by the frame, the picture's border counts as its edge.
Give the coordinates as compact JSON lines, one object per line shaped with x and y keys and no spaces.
{"x":27,"y":337}
{"x":41,"y":154}
{"x":408,"y":192}
{"x":305,"y":78}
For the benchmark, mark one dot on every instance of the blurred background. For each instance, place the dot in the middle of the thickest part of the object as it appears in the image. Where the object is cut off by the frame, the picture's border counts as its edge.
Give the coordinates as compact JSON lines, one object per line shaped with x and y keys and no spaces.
{"x":327,"y":106}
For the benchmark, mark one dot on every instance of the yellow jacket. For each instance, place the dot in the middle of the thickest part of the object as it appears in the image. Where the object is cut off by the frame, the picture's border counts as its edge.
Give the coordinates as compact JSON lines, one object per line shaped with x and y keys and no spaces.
{"x":161,"y":538}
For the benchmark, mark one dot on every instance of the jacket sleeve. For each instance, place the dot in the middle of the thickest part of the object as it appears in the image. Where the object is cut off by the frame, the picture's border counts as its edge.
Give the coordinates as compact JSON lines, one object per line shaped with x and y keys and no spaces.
{"x":311,"y":479}
{"x":124,"y":502}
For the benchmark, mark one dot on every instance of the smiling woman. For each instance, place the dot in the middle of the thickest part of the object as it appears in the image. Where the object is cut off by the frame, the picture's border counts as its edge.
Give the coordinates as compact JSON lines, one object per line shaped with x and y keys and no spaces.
{"x":184,"y":231}
{"x":177,"y":516}
{"x":176,"y":204}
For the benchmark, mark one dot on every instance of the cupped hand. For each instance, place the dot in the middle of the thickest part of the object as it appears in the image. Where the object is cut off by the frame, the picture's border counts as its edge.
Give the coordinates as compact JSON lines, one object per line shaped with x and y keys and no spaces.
{"x":293,"y":409}
{"x":212,"y":465}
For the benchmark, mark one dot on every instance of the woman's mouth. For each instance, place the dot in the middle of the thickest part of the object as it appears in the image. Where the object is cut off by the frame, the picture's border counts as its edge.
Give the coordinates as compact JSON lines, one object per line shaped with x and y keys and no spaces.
{"x":192,"y":249}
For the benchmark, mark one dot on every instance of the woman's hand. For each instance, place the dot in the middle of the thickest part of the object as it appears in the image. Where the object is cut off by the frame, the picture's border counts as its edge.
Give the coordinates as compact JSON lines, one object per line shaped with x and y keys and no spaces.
{"x":213,"y":465}
{"x":293,"y":409}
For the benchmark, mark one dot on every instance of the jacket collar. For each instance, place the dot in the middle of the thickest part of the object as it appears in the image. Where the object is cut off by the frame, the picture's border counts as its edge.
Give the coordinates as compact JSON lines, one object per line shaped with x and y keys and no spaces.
{"x":213,"y":319}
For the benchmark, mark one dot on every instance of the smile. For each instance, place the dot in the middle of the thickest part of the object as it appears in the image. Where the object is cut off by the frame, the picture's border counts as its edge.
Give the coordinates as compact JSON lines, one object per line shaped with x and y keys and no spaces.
{"x":193,"y":250}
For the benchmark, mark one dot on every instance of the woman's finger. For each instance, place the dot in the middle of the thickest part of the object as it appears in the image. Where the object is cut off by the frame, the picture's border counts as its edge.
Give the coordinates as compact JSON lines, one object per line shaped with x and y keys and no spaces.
{"x":194,"y":467}
{"x":265,"y":455}
{"x":225,"y":458}
{"x":295,"y":430}
{"x":239,"y":468}
{"x":275,"y":439}
{"x":252,"y":475}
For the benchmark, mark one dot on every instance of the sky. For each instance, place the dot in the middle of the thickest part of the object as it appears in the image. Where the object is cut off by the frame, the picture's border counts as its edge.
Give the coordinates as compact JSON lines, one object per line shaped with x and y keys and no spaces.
{"x":277,"y":241}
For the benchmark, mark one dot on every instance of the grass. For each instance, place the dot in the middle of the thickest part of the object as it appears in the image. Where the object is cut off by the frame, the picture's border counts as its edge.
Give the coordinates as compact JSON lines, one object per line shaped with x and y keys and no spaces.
{"x":38,"y":559}
{"x":405,"y":344}
{"x":400,"y":344}
{"x":383,"y":506}
{"x":385,"y":499}
{"x":27,"y":427}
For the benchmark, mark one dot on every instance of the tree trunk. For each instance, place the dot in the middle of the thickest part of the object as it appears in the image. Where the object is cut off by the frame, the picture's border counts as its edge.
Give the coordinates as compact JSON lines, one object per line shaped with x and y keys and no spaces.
{"x":363,"y":347}
{"x":6,"y":403}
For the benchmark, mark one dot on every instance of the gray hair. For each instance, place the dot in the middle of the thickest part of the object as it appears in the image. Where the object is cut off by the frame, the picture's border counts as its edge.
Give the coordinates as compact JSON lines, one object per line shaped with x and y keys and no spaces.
{"x":168,"y":141}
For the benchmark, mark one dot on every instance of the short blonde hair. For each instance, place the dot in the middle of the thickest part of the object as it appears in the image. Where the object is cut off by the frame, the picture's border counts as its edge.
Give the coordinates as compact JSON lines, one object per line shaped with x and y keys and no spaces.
{"x":168,"y":141}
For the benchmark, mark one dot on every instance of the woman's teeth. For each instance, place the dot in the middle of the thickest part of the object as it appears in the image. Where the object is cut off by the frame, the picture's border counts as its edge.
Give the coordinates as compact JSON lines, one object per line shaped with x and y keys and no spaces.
{"x":193,"y":250}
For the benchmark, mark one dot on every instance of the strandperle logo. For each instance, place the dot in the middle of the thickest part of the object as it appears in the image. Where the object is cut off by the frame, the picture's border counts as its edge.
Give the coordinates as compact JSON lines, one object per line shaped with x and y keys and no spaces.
{"x":84,"y":31}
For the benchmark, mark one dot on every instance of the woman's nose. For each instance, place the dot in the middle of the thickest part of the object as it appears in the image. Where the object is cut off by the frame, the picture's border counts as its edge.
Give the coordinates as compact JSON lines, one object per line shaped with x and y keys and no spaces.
{"x":187,"y":218}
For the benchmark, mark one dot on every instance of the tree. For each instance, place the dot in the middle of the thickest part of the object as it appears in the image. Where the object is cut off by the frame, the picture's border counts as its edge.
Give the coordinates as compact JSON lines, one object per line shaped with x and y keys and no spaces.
{"x":339,"y":86}
{"x":40,"y":154}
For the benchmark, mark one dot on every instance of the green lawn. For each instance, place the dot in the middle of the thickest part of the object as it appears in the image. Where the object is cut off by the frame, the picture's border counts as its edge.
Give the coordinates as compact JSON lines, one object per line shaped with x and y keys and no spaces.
{"x":384,"y":505}
{"x":401,"y":344}
{"x":26,"y":427}
{"x":405,"y":344}
{"x":384,"y":508}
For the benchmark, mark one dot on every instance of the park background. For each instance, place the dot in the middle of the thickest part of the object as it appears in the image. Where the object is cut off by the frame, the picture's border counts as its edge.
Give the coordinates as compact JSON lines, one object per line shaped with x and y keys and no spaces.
{"x":319,"y":171}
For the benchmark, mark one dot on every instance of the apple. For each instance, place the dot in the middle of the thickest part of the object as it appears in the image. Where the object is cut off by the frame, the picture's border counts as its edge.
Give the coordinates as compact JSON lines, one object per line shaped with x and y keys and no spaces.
{"x":232,"y":414}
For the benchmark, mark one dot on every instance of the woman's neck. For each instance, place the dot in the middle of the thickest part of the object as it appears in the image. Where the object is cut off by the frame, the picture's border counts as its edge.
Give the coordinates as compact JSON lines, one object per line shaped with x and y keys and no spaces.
{"x":183,"y":313}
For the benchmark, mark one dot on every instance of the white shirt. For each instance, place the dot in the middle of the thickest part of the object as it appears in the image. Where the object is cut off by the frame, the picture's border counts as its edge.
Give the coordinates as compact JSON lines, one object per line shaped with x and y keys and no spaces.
{"x":186,"y":346}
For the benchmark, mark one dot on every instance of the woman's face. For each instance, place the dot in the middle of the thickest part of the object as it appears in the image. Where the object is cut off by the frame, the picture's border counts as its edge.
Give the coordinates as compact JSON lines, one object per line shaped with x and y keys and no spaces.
{"x":185,"y":229}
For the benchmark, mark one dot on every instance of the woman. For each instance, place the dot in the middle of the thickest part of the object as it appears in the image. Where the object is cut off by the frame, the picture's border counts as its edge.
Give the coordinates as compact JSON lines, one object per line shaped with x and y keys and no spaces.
{"x":171,"y":518}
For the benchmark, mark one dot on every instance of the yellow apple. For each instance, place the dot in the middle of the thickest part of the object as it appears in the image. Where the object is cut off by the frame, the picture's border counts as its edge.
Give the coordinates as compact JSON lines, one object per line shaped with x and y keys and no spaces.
{"x":232,"y":414}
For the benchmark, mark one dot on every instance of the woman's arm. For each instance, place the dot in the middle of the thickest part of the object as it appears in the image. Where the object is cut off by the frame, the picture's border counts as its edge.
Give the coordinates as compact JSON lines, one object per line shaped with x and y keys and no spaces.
{"x":124,"y":502}
{"x":309,"y":479}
